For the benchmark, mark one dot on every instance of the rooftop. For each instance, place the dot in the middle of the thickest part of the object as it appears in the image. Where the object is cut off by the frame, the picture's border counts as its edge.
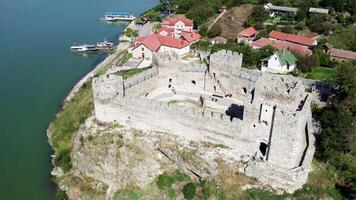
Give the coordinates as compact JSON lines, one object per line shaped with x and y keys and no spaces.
{"x":154,"y":41}
{"x":281,"y":8}
{"x":248,"y":32}
{"x":319,"y":10}
{"x":173,"y":21}
{"x":340,"y":53}
{"x":292,"y":38}
{"x":280,"y":45}
{"x":286,"y":57}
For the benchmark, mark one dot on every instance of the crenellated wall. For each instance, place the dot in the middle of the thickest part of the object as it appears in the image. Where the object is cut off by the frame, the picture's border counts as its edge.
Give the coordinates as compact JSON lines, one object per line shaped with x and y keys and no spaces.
{"x":276,"y":130}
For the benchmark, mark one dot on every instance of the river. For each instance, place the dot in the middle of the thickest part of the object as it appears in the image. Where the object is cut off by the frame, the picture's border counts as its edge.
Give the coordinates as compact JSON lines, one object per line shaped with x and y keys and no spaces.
{"x":37,"y":71}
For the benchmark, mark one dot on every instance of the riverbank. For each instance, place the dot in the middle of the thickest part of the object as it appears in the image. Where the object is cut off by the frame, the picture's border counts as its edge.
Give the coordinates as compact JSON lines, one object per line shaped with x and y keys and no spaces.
{"x":77,"y":107}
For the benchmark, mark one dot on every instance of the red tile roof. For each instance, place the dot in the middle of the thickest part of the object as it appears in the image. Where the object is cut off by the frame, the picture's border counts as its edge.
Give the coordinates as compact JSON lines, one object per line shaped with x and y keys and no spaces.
{"x":172,"y":42}
{"x":248,"y":32}
{"x":173,"y":21}
{"x":349,"y":55}
{"x":169,"y":31}
{"x":150,"y":41}
{"x":190,"y":36}
{"x":292,"y":38}
{"x":154,"y":41}
{"x":280,"y":45}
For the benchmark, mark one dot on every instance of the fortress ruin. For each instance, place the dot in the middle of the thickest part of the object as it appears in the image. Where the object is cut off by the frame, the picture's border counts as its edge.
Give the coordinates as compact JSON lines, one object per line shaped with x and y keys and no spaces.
{"x":266,"y":117}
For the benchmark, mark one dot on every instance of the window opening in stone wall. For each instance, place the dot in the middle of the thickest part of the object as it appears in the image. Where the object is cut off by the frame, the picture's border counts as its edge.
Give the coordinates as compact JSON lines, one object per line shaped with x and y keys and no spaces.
{"x":263,"y":148}
{"x":193,"y":81}
{"x":244,"y":90}
{"x":170,"y":80}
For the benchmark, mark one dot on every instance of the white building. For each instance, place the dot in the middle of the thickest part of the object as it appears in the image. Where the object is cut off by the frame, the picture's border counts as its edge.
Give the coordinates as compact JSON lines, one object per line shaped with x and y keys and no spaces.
{"x":280,"y":62}
{"x":146,"y":45}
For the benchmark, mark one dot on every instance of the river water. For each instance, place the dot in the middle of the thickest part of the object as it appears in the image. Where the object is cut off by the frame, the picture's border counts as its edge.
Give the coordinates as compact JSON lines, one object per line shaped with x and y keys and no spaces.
{"x":37,"y":70}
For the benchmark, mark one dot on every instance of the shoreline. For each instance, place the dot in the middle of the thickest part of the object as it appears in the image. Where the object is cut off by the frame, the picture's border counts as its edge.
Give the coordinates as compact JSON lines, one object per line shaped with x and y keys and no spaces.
{"x":120,"y":47}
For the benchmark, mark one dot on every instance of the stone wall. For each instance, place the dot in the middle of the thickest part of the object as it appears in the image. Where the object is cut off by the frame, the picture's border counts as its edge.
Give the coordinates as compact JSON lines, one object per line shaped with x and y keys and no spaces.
{"x":189,"y":123}
{"x":276,"y":129}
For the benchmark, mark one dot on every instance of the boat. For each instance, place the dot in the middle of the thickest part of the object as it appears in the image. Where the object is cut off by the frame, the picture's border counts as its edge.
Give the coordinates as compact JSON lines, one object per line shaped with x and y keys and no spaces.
{"x":105,"y":45}
{"x":118,"y":16}
{"x":83,"y":48}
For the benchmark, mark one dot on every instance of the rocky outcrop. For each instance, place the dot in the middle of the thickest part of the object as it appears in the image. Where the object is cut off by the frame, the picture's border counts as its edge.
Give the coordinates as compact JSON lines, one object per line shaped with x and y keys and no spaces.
{"x":109,"y":158}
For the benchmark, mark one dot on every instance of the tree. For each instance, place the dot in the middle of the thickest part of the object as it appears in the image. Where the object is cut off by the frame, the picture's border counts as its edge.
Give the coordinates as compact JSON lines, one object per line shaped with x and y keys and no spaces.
{"x":203,"y":30}
{"x":265,"y":52}
{"x":306,"y":63}
{"x":337,"y":139}
{"x":214,"y":31}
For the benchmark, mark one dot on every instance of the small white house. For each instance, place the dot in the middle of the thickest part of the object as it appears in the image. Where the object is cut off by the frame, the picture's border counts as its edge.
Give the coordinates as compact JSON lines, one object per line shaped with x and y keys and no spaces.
{"x":280,"y":62}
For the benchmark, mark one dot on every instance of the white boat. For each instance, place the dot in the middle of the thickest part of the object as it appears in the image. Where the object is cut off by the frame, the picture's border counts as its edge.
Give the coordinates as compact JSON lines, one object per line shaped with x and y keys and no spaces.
{"x":118,"y":16}
{"x":105,"y":45}
{"x":83,"y":48}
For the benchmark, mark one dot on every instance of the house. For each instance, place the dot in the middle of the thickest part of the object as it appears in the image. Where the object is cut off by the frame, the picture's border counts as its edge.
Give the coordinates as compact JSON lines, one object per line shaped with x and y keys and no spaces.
{"x":339,"y":54}
{"x":280,"y":62}
{"x":247,"y":35}
{"x":218,"y":40}
{"x":280,"y":45}
{"x":278,"y":10}
{"x":275,"y":10}
{"x":305,"y":41}
{"x":319,"y":10}
{"x":176,"y":26}
{"x":145,"y":46}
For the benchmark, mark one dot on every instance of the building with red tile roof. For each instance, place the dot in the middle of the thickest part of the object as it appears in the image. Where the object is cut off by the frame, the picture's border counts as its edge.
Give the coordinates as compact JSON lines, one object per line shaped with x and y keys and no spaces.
{"x":293,"y":38}
{"x":144,"y":46}
{"x":247,"y":35}
{"x":340,"y":54}
{"x":174,"y":21}
{"x":175,"y":26}
{"x":190,"y":36}
{"x":280,"y":45}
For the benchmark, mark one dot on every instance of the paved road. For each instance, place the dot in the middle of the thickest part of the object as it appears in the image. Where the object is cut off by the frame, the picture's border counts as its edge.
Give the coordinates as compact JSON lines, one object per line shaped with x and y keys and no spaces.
{"x":145,"y":29}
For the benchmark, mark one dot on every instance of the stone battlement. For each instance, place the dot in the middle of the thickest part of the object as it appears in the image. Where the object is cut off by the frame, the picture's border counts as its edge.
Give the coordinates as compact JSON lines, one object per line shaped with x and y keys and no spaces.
{"x":273,"y":126}
{"x":140,"y":78}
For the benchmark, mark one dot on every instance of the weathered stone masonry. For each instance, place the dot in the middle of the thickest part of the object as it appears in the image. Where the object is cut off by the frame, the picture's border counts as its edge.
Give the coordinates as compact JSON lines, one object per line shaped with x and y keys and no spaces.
{"x":275,"y":130}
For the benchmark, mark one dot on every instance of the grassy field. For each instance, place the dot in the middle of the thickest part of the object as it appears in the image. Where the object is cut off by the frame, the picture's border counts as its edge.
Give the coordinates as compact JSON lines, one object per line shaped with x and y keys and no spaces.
{"x":321,"y":73}
{"x":67,"y":122}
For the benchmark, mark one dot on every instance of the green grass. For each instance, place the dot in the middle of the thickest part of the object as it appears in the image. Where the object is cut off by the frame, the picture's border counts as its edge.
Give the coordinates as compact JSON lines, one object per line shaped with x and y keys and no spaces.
{"x":67,"y":122}
{"x":120,"y":56}
{"x":126,"y":58}
{"x":130,"y":73}
{"x":321,"y":73}
{"x":189,"y":191}
{"x":165,"y":180}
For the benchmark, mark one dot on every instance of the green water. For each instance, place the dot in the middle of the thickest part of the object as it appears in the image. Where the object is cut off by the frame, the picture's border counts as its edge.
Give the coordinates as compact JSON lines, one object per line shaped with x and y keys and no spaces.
{"x":37,"y":70}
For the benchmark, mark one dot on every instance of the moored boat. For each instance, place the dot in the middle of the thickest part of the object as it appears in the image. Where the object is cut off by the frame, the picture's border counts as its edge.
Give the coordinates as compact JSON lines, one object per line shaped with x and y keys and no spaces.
{"x":83,"y":48}
{"x":105,"y":45}
{"x":118,"y":16}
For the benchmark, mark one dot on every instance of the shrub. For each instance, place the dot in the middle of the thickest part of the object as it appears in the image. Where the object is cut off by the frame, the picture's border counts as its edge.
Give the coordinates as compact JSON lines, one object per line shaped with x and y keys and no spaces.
{"x":61,"y":195}
{"x":189,"y":191}
{"x":165,"y":181}
{"x":203,"y":30}
{"x":214,"y":31}
{"x":63,"y":159}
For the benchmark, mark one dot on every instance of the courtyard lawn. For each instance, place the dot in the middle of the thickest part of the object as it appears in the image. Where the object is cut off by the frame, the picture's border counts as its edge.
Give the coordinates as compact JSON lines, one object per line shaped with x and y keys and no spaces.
{"x":321,"y":73}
